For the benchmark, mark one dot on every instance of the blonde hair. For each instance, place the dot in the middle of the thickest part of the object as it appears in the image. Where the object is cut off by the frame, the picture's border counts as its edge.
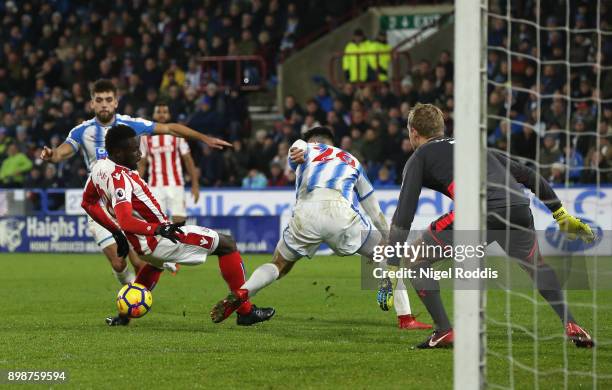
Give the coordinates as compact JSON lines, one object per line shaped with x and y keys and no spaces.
{"x":427,"y":119}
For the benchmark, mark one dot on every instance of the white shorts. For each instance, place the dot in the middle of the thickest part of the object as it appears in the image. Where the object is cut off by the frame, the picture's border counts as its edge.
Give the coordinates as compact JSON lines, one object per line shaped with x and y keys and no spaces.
{"x":171,"y":200}
{"x":326,"y":219}
{"x":103,"y":237}
{"x":198,"y":244}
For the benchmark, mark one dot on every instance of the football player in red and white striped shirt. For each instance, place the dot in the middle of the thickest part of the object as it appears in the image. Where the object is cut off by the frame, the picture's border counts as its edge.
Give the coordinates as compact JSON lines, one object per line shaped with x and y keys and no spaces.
{"x":163,"y":154}
{"x":117,"y":198}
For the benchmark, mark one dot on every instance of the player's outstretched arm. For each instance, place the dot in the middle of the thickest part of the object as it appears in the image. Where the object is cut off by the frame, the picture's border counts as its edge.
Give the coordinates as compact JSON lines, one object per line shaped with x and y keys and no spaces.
{"x":193,"y":174}
{"x":572,"y":226}
{"x":55,"y":155}
{"x":372,"y":208}
{"x":91,"y":205}
{"x":178,"y":130}
{"x":130,"y":224}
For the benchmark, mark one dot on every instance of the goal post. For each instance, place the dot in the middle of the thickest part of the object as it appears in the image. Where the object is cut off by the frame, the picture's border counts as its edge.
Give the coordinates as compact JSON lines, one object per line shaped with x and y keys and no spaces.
{"x":470,"y":187}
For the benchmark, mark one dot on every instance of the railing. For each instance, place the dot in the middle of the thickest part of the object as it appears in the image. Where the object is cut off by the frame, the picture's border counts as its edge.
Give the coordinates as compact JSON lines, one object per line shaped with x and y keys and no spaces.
{"x":249,"y":73}
{"x":395,"y":70}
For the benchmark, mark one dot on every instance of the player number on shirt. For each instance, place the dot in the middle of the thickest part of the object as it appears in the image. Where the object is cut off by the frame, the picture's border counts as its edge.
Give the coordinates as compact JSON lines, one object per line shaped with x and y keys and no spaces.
{"x":326,"y":156}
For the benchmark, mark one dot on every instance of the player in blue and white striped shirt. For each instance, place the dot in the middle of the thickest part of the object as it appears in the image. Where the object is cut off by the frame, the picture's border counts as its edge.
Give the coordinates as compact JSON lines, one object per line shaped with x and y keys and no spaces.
{"x":329,"y":184}
{"x":89,"y":137}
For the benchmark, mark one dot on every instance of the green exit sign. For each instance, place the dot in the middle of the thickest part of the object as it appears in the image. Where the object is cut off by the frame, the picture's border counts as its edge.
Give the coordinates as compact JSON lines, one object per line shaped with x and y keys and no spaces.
{"x":401,"y":22}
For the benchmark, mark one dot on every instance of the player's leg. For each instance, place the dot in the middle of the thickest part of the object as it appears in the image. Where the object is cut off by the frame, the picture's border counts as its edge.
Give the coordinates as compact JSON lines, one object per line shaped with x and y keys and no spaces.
{"x":267,"y":273}
{"x":232,"y":270}
{"x":136,"y":261}
{"x":369,"y":239}
{"x":263,"y":276}
{"x":164,"y":197}
{"x":294,"y":244}
{"x":232,"y":267}
{"x":439,"y":235}
{"x":521,"y":244}
{"x":107,"y":244}
{"x":176,"y":204}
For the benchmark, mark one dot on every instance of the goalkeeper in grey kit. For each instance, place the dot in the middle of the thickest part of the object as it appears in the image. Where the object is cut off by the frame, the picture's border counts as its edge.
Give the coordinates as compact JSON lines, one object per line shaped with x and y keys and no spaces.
{"x":509,"y":222}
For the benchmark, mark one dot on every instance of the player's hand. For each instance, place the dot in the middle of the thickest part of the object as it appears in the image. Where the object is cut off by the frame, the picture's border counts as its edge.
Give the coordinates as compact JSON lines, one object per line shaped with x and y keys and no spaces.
{"x":385,"y":294}
{"x":572,"y":226}
{"x":123,"y":247}
{"x":216,"y":143}
{"x":297,"y":155}
{"x":46,"y":154}
{"x":195,"y":192}
{"x":170,"y":231}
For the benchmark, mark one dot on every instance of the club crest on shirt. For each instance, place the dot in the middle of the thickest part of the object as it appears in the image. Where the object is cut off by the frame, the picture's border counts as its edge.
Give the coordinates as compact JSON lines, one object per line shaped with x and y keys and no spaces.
{"x":120,"y":194}
{"x":101,"y":153}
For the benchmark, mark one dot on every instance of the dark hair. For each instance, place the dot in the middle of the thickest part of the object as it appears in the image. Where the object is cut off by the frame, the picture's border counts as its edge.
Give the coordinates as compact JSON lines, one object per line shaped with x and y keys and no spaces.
{"x":162,"y":102}
{"x":117,"y":136}
{"x":319,"y":131}
{"x":103,"y":85}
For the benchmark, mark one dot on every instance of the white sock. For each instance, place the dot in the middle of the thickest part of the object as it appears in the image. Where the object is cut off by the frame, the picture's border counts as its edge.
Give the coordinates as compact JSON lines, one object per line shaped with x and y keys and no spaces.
{"x":261,"y":277}
{"x":401,"y":302}
{"x":126,"y":276}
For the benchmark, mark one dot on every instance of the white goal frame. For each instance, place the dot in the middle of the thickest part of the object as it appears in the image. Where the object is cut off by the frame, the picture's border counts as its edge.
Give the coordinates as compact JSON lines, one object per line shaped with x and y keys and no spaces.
{"x":470,"y":187}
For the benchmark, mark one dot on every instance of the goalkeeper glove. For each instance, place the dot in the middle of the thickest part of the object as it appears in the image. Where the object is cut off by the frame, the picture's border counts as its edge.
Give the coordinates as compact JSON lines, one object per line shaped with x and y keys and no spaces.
{"x":572,"y":226}
{"x":170,"y":231}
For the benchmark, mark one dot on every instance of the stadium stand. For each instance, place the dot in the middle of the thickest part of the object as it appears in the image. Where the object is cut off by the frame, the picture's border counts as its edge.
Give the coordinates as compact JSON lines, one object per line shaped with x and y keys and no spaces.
{"x":51,"y":51}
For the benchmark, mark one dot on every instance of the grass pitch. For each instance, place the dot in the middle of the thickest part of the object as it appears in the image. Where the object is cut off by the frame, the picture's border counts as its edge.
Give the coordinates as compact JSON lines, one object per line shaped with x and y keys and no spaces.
{"x":327,"y":333}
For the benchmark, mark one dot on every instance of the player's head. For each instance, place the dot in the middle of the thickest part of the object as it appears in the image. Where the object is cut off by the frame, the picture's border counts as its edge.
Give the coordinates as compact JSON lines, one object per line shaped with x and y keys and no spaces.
{"x":104,"y":100}
{"x":122,"y":146}
{"x":161,"y":112}
{"x":425,"y":121}
{"x":320,"y":135}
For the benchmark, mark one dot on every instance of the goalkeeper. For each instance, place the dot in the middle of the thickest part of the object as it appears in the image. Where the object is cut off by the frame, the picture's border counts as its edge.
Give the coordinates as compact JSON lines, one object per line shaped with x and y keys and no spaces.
{"x":509,"y":221}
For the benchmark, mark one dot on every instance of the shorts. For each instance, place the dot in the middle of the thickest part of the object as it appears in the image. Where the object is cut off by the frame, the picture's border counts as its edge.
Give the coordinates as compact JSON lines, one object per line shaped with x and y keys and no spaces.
{"x":198,"y":243}
{"x":103,"y":237}
{"x":512,"y":228}
{"x":332,"y":221}
{"x":171,"y":200}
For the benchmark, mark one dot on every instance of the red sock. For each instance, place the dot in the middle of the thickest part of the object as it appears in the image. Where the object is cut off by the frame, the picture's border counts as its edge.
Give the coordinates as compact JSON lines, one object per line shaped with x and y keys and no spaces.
{"x":148,"y":276}
{"x":232,"y":270}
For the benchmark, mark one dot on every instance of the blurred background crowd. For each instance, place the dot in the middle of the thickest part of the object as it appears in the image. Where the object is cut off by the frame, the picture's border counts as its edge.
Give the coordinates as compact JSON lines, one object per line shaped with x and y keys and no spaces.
{"x":52,"y":50}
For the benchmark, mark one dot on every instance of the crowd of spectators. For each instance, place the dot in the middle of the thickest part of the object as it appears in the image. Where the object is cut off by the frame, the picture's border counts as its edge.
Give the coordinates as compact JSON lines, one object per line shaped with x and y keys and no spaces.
{"x":567,"y":132}
{"x":51,"y":51}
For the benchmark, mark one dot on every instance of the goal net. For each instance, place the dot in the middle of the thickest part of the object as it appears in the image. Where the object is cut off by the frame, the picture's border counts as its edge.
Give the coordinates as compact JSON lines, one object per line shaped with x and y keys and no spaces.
{"x":546,"y":100}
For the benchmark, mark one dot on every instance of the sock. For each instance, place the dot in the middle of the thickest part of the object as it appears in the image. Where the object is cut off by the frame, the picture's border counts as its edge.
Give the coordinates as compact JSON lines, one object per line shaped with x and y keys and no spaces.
{"x":429,"y":291}
{"x":401,"y":302}
{"x":148,"y":276}
{"x":169,"y":266}
{"x":232,"y":270}
{"x":263,"y":276}
{"x":124,"y":277}
{"x":547,"y":283}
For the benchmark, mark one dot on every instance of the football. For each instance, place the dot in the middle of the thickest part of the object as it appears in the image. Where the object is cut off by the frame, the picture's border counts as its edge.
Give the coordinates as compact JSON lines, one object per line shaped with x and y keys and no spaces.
{"x":134,"y":300}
